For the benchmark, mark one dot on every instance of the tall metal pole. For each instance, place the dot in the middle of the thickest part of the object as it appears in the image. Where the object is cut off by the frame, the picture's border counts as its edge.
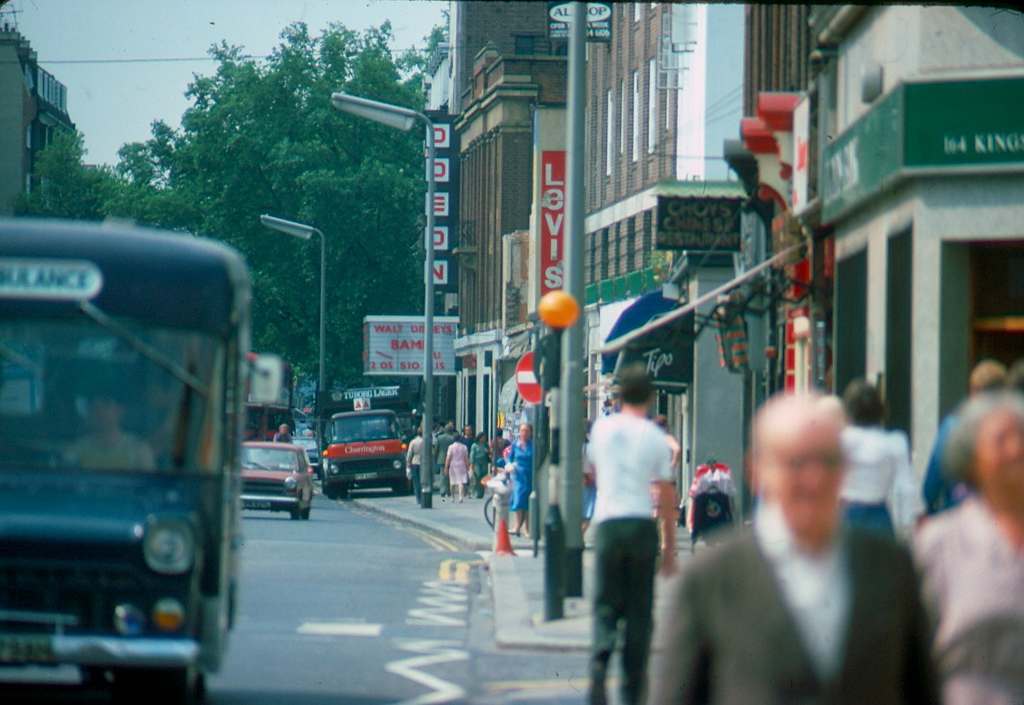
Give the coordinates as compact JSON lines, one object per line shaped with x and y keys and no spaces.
{"x":427,"y":464}
{"x":321,"y":380}
{"x":572,"y":349}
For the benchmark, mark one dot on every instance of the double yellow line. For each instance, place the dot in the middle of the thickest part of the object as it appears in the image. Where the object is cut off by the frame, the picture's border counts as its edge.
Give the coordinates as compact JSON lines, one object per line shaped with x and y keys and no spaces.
{"x":455,"y":571}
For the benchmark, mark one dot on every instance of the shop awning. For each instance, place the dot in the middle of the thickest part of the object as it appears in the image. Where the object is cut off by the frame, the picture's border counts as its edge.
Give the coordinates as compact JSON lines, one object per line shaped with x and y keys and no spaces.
{"x":614,"y":345}
{"x":515,"y":345}
{"x":643,"y":310}
{"x":508,"y":398}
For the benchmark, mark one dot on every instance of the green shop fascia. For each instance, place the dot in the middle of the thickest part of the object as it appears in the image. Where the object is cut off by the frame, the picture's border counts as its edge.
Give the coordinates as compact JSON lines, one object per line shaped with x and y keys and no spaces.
{"x":958,"y":126}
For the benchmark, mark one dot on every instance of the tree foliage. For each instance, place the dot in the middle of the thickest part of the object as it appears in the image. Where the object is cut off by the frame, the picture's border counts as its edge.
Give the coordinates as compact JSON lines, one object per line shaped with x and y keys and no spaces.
{"x":261,"y":136}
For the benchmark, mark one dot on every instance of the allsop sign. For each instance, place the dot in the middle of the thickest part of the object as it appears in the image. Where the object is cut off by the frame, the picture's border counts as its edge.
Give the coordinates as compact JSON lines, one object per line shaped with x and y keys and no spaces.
{"x":968,"y":126}
{"x":697,"y":223}
{"x":599,"y":21}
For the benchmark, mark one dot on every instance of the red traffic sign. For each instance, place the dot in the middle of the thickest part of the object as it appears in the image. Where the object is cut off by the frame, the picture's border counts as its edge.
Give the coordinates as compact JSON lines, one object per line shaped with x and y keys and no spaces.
{"x":526,"y":381}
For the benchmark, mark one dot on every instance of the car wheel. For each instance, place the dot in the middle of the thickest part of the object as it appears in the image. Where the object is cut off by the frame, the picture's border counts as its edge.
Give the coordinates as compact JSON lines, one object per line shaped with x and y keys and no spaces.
{"x":296,"y":513}
{"x":400,"y":488}
{"x":329,"y":492}
{"x":343,"y":492}
{"x":305,"y":513}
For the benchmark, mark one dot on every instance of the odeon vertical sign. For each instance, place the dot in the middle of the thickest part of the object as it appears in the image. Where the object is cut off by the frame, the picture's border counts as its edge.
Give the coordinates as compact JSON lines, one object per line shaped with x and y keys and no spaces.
{"x":446,"y":201}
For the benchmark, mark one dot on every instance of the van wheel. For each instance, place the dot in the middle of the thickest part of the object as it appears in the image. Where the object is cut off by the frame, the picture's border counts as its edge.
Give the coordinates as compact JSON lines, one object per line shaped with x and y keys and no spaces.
{"x":305,"y":513}
{"x":296,"y":514}
{"x":343,"y":492}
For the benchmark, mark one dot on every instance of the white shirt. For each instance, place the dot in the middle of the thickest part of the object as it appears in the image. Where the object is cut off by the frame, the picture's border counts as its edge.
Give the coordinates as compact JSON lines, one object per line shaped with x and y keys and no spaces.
{"x":816,"y":588}
{"x":878,"y":471}
{"x":628,"y":454}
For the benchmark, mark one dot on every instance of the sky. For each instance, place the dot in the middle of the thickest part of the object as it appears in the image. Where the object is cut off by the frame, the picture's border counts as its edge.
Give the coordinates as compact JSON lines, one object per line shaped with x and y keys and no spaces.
{"x":115,"y":103}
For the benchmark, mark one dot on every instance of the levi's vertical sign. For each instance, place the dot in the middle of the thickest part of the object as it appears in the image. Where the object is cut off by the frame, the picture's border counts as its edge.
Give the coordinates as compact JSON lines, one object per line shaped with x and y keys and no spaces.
{"x":552,"y":219}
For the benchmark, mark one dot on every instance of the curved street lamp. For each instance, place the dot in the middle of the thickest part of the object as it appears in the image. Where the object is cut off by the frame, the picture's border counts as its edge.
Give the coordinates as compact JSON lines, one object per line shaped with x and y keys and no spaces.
{"x":399,"y":118}
{"x":305,"y":232}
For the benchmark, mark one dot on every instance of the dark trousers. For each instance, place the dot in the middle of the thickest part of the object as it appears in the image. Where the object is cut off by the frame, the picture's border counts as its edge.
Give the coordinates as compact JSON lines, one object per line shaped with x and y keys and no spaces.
{"x":627,"y":551}
{"x":414,"y":472}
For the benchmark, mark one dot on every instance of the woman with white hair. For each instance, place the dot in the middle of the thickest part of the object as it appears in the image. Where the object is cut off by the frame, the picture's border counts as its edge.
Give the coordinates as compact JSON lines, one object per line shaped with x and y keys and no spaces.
{"x":972,"y":557}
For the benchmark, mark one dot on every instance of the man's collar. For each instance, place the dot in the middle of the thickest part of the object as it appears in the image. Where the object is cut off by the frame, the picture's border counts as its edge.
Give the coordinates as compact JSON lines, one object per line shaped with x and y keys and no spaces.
{"x":776,"y":538}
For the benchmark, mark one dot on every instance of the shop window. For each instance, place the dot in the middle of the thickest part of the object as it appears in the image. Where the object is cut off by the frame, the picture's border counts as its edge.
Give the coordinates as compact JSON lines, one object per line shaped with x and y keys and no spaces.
{"x":851,"y":312}
{"x":899,"y":338}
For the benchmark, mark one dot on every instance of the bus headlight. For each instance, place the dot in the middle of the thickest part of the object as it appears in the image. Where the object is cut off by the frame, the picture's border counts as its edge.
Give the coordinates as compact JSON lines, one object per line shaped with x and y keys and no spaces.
{"x":169,"y":547}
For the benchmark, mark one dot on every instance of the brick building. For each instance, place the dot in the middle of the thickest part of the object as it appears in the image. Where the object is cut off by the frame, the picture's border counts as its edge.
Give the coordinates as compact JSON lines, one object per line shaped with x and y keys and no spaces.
{"x":33,"y":107}
{"x":514,"y":71}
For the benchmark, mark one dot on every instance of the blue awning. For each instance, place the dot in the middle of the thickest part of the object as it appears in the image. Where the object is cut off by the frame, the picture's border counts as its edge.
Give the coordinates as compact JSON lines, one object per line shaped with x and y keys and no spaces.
{"x":643,"y":310}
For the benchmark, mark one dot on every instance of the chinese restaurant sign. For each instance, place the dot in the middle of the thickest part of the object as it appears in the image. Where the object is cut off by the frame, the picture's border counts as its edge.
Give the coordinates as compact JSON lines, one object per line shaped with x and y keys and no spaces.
{"x":697,"y":223}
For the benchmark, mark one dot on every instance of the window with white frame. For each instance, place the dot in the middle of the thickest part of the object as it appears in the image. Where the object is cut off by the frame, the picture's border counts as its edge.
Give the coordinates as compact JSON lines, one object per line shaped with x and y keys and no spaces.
{"x":610,"y":134}
{"x":636,"y":116}
{"x":623,"y":116}
{"x":652,"y":106}
{"x":637,"y":11}
{"x":669,"y":94}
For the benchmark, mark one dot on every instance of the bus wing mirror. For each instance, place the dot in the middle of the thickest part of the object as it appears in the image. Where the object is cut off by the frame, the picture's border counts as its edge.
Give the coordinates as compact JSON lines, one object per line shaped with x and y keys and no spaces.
{"x":266,"y":379}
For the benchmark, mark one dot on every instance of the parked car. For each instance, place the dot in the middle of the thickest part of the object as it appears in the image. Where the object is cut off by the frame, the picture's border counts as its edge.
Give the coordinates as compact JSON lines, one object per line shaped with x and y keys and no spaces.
{"x":308,"y":441}
{"x":277,"y":477}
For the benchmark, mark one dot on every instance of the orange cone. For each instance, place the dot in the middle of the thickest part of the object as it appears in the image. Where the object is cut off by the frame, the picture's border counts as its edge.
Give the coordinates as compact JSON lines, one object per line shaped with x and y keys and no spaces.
{"x":502,"y":543}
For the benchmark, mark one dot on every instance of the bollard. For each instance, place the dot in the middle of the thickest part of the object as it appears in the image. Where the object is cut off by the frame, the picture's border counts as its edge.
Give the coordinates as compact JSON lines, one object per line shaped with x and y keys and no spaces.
{"x":554,"y":565}
{"x":502,"y":542}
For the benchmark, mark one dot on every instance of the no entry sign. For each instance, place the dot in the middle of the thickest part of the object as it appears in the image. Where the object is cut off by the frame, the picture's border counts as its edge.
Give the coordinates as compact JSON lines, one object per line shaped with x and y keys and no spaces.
{"x":526,"y":381}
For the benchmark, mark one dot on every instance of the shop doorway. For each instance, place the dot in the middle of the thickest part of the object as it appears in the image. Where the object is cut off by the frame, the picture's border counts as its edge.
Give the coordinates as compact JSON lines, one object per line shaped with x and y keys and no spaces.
{"x":899,"y":339}
{"x":997,"y":313}
{"x":851,"y":319}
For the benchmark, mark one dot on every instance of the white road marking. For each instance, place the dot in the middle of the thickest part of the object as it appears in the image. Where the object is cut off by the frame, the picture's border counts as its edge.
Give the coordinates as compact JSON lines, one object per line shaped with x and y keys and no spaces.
{"x":434,"y":652}
{"x":442,"y":602}
{"x":340,"y":629}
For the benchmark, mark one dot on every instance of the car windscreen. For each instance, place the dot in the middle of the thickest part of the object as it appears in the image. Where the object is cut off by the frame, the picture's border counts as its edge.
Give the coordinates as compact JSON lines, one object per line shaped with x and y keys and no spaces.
{"x":270,"y":459}
{"x":352,"y":429}
{"x":75,"y":393}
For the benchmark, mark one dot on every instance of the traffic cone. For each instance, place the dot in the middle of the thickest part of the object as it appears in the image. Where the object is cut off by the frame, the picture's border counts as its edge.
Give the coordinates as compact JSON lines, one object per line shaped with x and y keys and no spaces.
{"x":502,"y":543}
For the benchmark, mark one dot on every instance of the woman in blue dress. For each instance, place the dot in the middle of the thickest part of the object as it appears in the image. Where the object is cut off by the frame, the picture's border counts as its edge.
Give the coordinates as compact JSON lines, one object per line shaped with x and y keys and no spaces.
{"x":521,"y":459}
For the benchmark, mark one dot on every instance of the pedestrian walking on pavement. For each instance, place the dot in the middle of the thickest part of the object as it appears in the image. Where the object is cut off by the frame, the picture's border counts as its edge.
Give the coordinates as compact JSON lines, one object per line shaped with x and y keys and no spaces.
{"x":444,"y":439}
{"x":799,"y":609}
{"x":589,"y":485}
{"x":413,"y":459}
{"x":879,"y":489}
{"x":941,"y":493}
{"x":497,"y":447}
{"x":632,"y":462}
{"x":456,"y":469}
{"x":520,"y":459}
{"x":480,"y":460}
{"x":467,"y":438}
{"x":972,"y":557}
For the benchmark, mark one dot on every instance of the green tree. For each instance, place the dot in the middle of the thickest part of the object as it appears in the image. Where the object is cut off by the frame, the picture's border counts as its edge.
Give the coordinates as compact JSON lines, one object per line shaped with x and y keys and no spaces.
{"x":64,"y":187}
{"x":262,"y":137}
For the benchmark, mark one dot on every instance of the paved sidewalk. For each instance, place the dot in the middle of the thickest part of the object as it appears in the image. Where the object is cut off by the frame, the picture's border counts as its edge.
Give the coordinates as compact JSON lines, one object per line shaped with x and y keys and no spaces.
{"x":517,"y":581}
{"x":462,"y":524}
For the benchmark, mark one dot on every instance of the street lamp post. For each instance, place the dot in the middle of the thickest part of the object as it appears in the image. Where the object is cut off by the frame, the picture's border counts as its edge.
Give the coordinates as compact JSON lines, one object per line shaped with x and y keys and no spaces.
{"x":572,"y":354}
{"x":305,"y":232}
{"x":404,"y":119}
{"x":559,"y":311}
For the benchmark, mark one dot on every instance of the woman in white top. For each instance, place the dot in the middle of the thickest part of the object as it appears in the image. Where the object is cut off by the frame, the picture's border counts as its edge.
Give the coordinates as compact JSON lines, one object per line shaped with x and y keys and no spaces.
{"x":879,"y":488}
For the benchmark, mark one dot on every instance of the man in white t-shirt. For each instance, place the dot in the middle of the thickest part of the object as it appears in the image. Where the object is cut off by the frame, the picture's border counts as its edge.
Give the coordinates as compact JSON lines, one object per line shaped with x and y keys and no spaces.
{"x":630,"y":456}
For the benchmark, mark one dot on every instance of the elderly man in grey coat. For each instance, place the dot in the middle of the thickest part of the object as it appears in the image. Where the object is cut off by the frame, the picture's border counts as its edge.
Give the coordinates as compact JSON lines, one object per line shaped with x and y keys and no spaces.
{"x":801,"y":609}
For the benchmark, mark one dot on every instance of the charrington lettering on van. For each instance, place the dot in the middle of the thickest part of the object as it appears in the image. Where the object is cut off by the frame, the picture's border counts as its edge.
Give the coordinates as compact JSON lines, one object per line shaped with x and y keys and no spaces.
{"x":71,"y":280}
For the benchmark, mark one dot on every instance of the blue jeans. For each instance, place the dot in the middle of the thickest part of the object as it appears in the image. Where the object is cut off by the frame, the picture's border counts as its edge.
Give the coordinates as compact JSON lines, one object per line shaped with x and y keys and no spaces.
{"x":873,"y":517}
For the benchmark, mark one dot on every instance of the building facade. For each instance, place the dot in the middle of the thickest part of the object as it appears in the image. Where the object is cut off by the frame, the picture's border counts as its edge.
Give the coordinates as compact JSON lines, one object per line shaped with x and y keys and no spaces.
{"x":33,"y":107}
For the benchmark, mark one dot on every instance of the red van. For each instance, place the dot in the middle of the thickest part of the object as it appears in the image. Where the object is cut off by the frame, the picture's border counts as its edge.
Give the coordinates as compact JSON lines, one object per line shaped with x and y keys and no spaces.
{"x":365,"y":451}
